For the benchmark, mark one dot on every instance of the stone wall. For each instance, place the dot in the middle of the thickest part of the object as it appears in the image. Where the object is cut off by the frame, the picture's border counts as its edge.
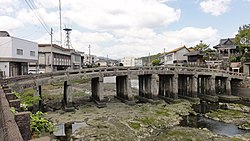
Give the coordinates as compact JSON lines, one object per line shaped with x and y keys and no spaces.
{"x":10,"y":129}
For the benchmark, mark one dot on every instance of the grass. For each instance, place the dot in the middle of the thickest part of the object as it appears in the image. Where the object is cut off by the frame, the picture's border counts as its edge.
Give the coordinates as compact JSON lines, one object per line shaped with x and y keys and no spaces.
{"x":28,"y":97}
{"x":79,"y":94}
{"x":81,"y":81}
{"x":147,"y":120}
{"x":162,"y":112}
{"x":134,"y":125}
{"x":225,"y":114}
{"x":183,"y":135}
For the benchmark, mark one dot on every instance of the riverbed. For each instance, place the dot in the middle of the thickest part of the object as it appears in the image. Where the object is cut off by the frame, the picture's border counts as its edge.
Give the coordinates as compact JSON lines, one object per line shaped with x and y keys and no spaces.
{"x":143,"y":121}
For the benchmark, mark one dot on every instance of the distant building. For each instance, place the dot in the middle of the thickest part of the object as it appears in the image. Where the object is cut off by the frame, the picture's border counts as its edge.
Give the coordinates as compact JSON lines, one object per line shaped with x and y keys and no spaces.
{"x":176,"y":56}
{"x":138,"y":62}
{"x":128,"y":61}
{"x":102,"y":63}
{"x":16,"y":54}
{"x":195,"y":56}
{"x":226,"y":48}
{"x":89,"y":59}
{"x":53,"y":58}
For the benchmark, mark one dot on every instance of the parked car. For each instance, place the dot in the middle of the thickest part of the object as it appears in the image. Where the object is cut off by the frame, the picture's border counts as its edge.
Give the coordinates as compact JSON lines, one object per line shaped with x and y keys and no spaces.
{"x":35,"y":72}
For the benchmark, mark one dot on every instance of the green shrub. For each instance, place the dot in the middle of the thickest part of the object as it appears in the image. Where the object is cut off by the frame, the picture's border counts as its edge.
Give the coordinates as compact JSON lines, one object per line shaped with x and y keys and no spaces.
{"x":39,"y":124}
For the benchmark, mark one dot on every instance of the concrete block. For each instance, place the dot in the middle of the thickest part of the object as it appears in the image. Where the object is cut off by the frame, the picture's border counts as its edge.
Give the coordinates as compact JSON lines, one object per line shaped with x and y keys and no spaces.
{"x":14,"y":103}
{"x":10,"y":96}
{"x":23,"y":122}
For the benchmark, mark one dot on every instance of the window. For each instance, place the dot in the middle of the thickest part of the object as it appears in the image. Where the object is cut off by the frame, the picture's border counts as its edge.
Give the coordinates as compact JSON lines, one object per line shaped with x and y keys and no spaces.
{"x":32,"y":53}
{"x":77,"y":58}
{"x":19,"y":52}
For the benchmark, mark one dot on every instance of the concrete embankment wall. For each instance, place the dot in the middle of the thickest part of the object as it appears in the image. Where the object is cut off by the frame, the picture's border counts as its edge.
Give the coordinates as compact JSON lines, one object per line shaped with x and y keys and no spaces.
{"x":10,"y":130}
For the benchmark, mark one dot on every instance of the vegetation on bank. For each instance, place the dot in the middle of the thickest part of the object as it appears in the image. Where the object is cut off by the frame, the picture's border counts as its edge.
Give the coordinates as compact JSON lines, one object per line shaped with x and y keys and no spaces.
{"x":38,"y":123}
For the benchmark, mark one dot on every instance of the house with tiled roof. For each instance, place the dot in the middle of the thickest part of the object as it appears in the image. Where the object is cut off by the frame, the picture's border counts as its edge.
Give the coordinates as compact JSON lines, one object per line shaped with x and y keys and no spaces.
{"x":175,"y":56}
{"x":226,"y":48}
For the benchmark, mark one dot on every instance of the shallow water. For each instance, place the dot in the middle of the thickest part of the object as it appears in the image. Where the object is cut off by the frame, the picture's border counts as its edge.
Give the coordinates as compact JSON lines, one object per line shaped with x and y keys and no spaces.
{"x":216,"y":127}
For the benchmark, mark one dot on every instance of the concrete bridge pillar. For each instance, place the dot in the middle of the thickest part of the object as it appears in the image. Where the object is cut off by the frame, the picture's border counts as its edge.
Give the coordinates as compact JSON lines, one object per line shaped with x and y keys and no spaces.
{"x":211,"y":85}
{"x":148,"y":87}
{"x":123,"y":87}
{"x":141,"y":86}
{"x":154,"y":86}
{"x":168,"y":86}
{"x":194,"y":86}
{"x":228,"y":86}
{"x":40,"y":95}
{"x":67,"y":94}
{"x":97,"y":88}
{"x":175,"y":87}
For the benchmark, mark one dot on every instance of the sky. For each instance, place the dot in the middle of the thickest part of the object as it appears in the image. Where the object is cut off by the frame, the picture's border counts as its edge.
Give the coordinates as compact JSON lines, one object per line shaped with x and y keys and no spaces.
{"x":123,"y":28}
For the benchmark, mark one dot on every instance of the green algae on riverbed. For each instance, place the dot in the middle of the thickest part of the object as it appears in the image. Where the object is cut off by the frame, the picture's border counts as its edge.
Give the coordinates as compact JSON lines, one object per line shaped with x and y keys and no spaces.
{"x":140,"y":121}
{"x":237,"y":114}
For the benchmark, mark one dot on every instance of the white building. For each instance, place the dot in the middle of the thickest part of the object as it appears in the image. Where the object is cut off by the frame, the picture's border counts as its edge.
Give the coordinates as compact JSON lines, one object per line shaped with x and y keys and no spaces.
{"x":138,"y":62}
{"x":128,"y":61}
{"x":16,"y":54}
{"x":89,"y":59}
{"x":175,"y":56}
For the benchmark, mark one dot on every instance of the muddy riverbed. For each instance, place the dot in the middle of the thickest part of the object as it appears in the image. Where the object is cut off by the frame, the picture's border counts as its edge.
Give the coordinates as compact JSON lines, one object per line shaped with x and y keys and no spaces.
{"x":143,"y":121}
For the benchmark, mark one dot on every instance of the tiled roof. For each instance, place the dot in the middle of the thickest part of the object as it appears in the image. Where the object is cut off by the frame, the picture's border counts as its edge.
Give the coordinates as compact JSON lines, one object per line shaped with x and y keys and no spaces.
{"x":226,"y":43}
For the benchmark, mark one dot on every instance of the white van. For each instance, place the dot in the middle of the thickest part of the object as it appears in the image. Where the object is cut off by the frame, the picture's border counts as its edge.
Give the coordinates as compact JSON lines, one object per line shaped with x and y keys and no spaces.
{"x":35,"y":72}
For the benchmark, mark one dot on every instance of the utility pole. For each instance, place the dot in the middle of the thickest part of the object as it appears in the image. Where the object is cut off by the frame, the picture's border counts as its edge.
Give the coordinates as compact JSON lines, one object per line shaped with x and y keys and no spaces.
{"x":164,"y":57}
{"x":60,"y":17}
{"x":51,"y":46}
{"x":149,"y":59}
{"x":89,"y":55}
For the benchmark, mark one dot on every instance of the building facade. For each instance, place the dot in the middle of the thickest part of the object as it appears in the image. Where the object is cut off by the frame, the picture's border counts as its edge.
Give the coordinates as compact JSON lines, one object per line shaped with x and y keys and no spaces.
{"x":176,"y":56}
{"x":138,"y":62}
{"x":53,"y":58}
{"x":128,"y":61}
{"x":16,"y":54}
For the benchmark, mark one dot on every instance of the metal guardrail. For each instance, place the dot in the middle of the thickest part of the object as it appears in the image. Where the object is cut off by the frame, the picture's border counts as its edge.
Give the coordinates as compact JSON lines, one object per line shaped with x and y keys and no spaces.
{"x":116,"y":69}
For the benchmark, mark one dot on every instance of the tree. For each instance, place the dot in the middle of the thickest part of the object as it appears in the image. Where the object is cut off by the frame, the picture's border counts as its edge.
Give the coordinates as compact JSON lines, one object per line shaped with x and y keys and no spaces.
{"x":243,"y":37}
{"x":156,"y":62}
{"x":201,"y":46}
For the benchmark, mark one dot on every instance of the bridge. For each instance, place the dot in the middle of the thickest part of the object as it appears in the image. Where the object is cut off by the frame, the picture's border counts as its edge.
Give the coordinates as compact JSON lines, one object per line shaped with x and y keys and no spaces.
{"x":167,"y":82}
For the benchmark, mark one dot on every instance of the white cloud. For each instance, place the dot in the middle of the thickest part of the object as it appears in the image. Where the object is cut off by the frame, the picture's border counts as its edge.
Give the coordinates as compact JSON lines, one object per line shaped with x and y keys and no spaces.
{"x":215,"y":7}
{"x":9,"y":23}
{"x":132,"y":42}
{"x":27,"y":16}
{"x":113,"y":14}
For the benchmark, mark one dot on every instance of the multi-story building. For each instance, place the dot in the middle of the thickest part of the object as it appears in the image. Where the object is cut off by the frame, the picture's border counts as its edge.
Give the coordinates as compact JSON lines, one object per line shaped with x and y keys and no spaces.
{"x":138,"y":62}
{"x":16,"y":54}
{"x":56,"y":58}
{"x":128,"y":61}
{"x":53,"y":58}
{"x":226,"y":48}
{"x":88,"y":59}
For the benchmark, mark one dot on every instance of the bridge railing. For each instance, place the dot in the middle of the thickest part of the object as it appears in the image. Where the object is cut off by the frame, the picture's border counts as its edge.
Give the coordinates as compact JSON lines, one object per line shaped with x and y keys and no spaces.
{"x":116,"y":69}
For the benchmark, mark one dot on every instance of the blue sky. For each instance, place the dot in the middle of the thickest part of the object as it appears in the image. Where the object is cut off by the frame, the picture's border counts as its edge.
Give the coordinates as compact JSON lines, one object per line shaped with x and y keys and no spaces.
{"x":120,"y":28}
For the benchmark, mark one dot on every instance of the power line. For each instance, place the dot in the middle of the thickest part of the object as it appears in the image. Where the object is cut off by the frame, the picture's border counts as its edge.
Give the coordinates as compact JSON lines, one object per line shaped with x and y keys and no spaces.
{"x":29,"y":3}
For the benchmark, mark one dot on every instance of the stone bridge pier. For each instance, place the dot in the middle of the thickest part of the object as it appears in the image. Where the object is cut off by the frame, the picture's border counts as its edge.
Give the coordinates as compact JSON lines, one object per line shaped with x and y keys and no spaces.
{"x":97,"y":88}
{"x":148,"y":87}
{"x":67,"y":94}
{"x":168,"y":87}
{"x":123,"y":87}
{"x":223,"y":85}
{"x":207,"y":85}
{"x":187,"y":86}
